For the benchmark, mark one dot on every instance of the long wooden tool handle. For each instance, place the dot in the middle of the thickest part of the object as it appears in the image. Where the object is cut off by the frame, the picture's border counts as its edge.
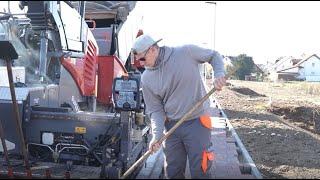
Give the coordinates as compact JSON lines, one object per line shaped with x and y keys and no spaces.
{"x":142,"y":158}
{"x":16,"y":115}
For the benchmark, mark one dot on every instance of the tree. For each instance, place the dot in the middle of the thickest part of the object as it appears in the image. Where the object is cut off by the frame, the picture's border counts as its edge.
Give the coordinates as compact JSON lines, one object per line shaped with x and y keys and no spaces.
{"x":241,"y":66}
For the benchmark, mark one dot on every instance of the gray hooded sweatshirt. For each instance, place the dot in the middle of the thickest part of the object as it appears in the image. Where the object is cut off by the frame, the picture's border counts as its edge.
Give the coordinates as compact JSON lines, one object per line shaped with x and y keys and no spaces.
{"x":174,"y":85}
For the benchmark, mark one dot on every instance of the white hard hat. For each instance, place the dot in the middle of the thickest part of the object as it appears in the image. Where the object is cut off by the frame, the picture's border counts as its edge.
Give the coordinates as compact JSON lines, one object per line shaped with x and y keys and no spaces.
{"x":142,"y":43}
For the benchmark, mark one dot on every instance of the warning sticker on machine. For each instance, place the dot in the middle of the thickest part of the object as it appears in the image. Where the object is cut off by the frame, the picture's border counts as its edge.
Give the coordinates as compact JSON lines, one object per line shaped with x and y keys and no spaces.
{"x":80,"y":130}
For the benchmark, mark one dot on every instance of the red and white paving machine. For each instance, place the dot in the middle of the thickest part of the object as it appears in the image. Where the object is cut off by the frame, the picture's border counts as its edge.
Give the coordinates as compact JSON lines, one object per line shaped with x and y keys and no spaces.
{"x":71,"y":101}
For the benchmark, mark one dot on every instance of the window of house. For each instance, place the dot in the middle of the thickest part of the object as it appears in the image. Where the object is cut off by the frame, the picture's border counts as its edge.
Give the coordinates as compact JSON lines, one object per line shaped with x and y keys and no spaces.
{"x":312,"y":73}
{"x":313,"y":64}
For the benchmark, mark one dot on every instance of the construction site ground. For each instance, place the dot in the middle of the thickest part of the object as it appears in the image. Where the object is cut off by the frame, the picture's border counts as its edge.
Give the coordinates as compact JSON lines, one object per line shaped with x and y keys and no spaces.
{"x":226,"y":164}
{"x":278,"y":125}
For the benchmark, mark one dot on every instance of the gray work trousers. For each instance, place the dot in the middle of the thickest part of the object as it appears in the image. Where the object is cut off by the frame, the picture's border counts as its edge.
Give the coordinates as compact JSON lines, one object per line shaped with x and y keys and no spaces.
{"x":189,"y":140}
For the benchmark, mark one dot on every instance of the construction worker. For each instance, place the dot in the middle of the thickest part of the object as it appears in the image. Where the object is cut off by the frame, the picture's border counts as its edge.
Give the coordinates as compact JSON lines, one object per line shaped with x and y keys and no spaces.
{"x":171,"y":86}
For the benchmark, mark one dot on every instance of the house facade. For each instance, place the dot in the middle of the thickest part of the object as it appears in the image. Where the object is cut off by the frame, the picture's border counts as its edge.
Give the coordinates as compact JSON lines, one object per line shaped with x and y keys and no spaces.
{"x":309,"y":69}
{"x":289,"y":68}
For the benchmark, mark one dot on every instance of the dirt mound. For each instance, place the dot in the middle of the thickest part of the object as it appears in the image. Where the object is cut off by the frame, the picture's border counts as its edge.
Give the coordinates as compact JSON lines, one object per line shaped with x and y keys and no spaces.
{"x":280,"y":151}
{"x":309,"y":117}
{"x":229,"y":84}
{"x":247,"y":91}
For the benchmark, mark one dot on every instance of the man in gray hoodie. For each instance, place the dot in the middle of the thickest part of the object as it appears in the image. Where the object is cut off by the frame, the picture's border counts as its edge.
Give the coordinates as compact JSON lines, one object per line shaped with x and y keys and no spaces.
{"x":171,"y":86}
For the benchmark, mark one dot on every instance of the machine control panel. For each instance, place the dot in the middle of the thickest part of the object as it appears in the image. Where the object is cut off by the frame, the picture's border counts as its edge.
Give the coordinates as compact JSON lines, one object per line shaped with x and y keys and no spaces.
{"x":126,"y":94}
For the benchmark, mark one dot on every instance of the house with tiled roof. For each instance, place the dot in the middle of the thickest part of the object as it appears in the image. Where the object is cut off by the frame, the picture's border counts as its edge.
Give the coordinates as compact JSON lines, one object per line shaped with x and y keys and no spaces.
{"x":309,"y":68}
{"x":304,"y":68}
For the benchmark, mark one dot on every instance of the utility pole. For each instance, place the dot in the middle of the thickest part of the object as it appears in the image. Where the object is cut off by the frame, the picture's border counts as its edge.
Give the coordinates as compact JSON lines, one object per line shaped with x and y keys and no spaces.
{"x":204,"y":66}
{"x":214,"y":28}
{"x":9,"y":11}
{"x":214,"y":23}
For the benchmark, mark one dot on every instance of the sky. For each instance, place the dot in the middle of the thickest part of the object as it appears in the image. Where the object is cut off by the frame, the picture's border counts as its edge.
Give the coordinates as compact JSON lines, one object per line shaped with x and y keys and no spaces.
{"x":264,"y":30}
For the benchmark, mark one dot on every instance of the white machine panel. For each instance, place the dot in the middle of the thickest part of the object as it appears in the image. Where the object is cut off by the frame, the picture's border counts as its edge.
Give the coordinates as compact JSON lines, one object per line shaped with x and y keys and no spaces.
{"x":19,"y":75}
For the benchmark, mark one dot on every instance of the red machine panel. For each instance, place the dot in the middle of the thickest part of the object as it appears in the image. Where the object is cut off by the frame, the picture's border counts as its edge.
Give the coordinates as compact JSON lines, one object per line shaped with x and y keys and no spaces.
{"x":109,"y":67}
{"x":83,"y":70}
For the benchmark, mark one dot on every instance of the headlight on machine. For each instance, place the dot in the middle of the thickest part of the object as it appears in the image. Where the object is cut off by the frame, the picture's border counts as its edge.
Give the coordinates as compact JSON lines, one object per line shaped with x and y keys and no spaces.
{"x":47,"y":138}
